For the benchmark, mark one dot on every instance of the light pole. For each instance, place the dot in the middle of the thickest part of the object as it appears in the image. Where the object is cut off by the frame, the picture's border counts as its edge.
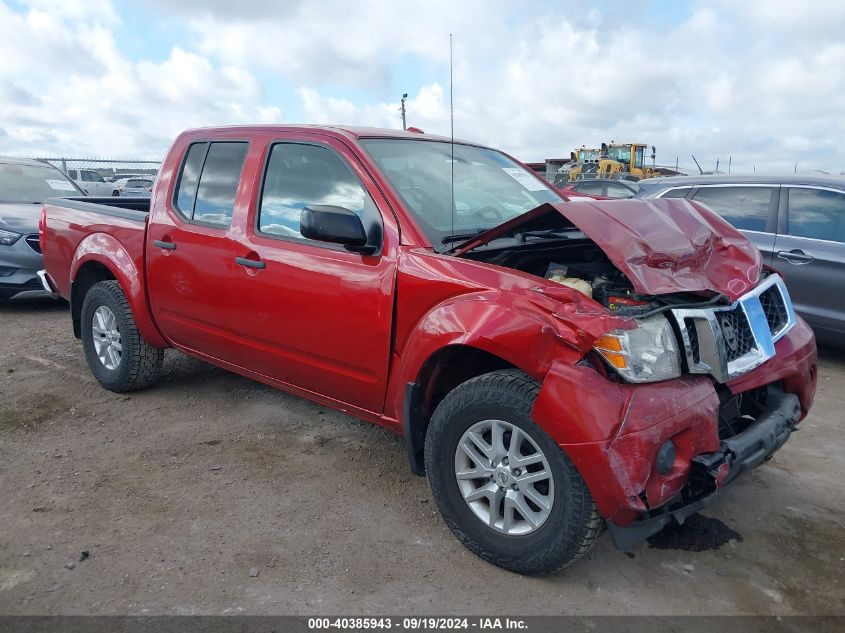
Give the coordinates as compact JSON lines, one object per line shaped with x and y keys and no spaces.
{"x":402,"y":109}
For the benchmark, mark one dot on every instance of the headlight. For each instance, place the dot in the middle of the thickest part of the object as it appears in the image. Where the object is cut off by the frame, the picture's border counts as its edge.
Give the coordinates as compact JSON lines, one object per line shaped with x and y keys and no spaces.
{"x":7,"y":238}
{"x":647,"y":353}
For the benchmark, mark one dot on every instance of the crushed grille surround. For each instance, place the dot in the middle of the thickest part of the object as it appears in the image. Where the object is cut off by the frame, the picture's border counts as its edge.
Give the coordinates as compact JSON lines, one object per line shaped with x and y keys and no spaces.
{"x":729,"y":341}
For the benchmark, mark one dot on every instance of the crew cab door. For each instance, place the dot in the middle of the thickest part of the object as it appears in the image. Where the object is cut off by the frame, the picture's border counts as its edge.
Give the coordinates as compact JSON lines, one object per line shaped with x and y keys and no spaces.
{"x":190,"y":264}
{"x":312,"y":314}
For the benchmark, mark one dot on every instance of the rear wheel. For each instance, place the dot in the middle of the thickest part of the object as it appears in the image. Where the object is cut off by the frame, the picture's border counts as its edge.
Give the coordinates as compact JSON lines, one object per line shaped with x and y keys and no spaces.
{"x":117,"y":354}
{"x":503,"y":486}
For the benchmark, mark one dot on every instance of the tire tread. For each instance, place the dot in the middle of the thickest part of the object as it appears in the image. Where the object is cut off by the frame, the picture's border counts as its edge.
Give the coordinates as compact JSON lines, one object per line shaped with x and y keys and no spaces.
{"x":145,"y":362}
{"x":514,"y":387}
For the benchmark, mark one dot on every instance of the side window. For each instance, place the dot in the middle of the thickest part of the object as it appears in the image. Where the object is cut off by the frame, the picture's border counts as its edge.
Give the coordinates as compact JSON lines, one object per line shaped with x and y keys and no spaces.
{"x":745,"y":207}
{"x":298,"y":175}
{"x":615,"y":190}
{"x":676,"y":193}
{"x":591,"y":186}
{"x":817,"y":214}
{"x":86,"y":176}
{"x":186,"y":188}
{"x":209,"y":180}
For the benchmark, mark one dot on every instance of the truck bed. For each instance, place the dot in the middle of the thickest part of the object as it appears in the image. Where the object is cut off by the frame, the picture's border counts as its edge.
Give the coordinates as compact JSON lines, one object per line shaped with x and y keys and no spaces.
{"x":129,"y":208}
{"x":90,"y":228}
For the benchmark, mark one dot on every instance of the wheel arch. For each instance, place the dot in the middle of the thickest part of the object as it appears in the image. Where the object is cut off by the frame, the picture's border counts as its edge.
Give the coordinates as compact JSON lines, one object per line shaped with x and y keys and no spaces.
{"x":441,"y":372}
{"x":101,"y":257}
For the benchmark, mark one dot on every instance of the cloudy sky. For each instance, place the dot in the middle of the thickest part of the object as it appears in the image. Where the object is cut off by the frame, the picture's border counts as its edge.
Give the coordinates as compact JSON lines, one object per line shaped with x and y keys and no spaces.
{"x":759,"y":80}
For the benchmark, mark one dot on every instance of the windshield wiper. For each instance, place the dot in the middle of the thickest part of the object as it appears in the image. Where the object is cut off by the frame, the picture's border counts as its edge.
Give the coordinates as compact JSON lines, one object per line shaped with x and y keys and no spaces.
{"x":459,"y":237}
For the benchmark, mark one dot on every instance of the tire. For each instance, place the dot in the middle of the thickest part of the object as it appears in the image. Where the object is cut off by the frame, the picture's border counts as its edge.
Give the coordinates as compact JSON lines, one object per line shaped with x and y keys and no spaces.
{"x":138,"y":364}
{"x":572,"y":522}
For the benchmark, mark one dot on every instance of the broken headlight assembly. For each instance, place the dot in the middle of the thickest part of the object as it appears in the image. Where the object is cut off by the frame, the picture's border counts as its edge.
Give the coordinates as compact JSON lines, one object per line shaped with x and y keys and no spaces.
{"x":647,"y":353}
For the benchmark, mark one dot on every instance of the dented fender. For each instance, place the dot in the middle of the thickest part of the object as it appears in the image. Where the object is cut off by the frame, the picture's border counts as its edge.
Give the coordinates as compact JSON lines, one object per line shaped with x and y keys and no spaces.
{"x":502,"y":312}
{"x":612,"y":432}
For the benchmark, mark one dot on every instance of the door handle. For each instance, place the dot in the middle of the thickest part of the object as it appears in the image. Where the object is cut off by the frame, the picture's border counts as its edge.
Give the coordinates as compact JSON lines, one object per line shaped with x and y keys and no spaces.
{"x":796,"y":256}
{"x":168,"y":246}
{"x":250,"y":263}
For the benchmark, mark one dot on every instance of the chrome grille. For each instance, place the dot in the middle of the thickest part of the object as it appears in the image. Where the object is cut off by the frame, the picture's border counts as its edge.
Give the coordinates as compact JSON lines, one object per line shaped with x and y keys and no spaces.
{"x":736,"y":333}
{"x":34,"y":243}
{"x":728,"y":341}
{"x":775,"y":309}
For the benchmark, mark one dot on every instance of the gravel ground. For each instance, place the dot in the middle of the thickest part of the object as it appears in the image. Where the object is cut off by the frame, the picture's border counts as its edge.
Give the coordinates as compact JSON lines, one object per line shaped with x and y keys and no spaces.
{"x":209,"y":493}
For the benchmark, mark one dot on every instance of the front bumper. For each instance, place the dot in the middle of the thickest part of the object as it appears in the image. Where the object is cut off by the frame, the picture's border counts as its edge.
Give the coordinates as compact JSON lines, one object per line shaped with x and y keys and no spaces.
{"x":612,"y":432}
{"x":19,"y":266}
{"x":711,"y":471}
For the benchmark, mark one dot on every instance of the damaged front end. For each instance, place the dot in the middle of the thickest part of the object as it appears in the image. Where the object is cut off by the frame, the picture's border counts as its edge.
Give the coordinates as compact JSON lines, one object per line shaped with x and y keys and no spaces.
{"x":705,"y":374}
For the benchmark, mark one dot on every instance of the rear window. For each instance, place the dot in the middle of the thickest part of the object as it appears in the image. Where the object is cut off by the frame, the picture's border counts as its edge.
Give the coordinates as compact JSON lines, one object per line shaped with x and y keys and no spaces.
{"x":746,"y":208}
{"x":676,"y":193}
{"x":209,"y":180}
{"x":615,"y":190}
{"x":590,"y":186}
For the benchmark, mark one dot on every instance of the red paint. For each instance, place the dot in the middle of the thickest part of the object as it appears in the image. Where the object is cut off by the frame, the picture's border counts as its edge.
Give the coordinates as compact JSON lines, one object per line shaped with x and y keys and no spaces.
{"x":662,"y":246}
{"x":351,"y":330}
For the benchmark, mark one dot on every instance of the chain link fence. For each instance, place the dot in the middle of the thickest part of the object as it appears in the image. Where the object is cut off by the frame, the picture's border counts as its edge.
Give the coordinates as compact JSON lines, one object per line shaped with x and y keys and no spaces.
{"x":99,"y":176}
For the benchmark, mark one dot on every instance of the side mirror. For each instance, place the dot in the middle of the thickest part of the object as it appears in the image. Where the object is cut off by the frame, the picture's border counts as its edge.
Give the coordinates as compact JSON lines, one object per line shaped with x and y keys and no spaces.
{"x":337,"y":225}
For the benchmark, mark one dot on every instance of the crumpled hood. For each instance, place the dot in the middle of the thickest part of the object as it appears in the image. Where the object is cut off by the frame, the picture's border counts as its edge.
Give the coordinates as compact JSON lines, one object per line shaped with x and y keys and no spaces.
{"x":662,"y":246}
{"x":20,"y":218}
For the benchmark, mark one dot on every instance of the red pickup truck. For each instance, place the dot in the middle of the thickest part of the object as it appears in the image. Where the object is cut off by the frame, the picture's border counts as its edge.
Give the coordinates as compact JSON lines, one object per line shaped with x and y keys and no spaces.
{"x":553,"y":367}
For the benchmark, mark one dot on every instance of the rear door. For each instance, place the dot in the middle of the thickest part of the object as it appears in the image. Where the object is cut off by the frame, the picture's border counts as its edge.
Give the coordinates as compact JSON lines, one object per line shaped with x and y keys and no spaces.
{"x":810,"y":252}
{"x":313,"y":314}
{"x":190,"y":257}
{"x":751,"y":208}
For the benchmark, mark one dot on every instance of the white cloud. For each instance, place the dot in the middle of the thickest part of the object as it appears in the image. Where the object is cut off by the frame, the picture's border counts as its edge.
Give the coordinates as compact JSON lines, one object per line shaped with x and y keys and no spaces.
{"x":69,"y":90}
{"x":536,"y":82}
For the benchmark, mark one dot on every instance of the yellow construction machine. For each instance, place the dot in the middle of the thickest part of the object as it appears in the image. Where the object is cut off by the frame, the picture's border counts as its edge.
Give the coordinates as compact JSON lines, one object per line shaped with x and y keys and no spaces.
{"x":614,"y":160}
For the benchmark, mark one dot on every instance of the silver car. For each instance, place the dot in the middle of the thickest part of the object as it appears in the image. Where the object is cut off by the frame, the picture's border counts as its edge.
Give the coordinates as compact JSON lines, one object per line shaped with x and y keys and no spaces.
{"x":24,"y":185}
{"x":797,"y":222}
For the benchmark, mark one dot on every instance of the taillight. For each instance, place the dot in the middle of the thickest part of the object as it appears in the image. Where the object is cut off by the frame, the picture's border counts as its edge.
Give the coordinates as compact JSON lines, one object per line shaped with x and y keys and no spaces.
{"x":42,"y":228}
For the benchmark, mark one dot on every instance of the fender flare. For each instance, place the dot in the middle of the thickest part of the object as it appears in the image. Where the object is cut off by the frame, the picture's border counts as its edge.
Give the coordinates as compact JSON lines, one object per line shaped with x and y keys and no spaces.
{"x":110,"y":253}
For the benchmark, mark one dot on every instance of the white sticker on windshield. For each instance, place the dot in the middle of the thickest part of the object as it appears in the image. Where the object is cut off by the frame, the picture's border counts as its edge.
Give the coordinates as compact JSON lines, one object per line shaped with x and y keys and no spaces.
{"x":61,"y":185}
{"x":525,"y":179}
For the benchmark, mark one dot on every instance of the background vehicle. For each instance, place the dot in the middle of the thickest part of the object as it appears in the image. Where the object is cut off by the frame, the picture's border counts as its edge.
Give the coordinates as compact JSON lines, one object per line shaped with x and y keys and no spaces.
{"x":118,"y":177}
{"x":797,"y":222}
{"x":24,"y":185}
{"x":521,"y":344}
{"x":134,"y":187}
{"x":599,"y":189}
{"x":626,"y":158}
{"x":90,"y":181}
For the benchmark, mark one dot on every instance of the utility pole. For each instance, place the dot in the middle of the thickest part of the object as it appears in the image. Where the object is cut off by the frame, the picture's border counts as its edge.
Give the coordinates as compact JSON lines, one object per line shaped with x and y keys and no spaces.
{"x":402,"y":109}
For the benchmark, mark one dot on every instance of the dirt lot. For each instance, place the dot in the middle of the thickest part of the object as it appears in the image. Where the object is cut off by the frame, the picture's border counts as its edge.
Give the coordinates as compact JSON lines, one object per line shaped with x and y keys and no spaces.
{"x":210,"y":493}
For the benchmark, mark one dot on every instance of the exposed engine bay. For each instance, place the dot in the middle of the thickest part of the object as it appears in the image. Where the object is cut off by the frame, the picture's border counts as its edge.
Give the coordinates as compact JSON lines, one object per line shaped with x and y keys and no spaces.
{"x":582,"y":265}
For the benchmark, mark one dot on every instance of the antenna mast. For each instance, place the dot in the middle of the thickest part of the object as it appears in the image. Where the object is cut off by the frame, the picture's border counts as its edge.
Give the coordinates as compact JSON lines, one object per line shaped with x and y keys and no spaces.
{"x":452,"y":134}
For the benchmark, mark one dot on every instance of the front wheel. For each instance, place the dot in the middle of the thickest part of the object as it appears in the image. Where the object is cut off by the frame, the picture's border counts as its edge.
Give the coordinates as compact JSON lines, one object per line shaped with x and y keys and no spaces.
{"x":504,"y":487}
{"x":117,"y":354}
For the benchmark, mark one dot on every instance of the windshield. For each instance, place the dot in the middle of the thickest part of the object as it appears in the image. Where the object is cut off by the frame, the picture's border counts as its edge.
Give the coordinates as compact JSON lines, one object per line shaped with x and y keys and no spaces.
{"x":33,"y":183}
{"x":489,"y":187}
{"x":622,"y":154}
